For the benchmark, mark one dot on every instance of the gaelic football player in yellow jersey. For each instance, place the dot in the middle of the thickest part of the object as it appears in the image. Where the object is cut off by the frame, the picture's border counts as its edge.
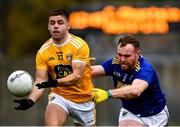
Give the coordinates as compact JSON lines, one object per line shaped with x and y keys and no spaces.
{"x":65,"y":57}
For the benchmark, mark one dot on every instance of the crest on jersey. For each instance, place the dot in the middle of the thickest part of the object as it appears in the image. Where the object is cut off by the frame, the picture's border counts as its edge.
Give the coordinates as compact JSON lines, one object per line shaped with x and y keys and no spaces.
{"x":69,"y":57}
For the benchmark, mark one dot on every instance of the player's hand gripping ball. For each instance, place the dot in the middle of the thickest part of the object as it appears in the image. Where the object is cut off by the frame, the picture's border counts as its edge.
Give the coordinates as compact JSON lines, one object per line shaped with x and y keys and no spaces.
{"x":20,"y":83}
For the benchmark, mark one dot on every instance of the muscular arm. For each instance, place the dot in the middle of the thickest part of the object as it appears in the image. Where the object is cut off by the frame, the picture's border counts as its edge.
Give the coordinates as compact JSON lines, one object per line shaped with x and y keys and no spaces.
{"x":130,"y":92}
{"x":97,"y":70}
{"x":41,"y":75}
{"x":78,"y":72}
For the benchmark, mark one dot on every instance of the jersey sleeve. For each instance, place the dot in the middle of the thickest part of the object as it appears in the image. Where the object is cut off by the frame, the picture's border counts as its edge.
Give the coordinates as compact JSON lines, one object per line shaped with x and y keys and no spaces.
{"x":40,"y":62}
{"x":82,"y":54}
{"x":146,"y":75}
{"x":108,"y":68}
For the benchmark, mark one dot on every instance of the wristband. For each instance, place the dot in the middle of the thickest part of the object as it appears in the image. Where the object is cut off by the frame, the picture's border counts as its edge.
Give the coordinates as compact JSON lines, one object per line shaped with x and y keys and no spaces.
{"x":109,"y":92}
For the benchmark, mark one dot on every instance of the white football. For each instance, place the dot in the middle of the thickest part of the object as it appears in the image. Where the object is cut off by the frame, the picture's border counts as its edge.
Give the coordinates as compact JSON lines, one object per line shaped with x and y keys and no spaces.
{"x":20,"y":83}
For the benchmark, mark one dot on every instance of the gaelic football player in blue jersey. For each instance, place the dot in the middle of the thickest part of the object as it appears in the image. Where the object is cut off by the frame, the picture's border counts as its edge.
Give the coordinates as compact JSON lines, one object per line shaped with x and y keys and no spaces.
{"x":136,"y":84}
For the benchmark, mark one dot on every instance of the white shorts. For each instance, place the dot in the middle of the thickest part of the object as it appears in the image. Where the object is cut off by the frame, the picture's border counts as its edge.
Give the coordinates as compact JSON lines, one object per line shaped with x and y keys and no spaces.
{"x":158,"y":120}
{"x":81,"y":113}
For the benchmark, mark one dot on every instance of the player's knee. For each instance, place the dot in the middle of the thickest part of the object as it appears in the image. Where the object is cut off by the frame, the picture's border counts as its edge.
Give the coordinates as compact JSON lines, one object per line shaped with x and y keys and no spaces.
{"x":55,"y":116}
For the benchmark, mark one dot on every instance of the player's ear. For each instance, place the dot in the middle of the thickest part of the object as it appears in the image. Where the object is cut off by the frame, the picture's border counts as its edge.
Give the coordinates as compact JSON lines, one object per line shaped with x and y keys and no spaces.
{"x":139,"y":52}
{"x":69,"y":26}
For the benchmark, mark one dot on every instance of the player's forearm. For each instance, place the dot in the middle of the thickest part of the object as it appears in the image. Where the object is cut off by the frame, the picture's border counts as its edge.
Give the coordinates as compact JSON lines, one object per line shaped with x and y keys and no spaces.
{"x":71,"y":79}
{"x":97,"y":71}
{"x":36,"y":94}
{"x":125,"y":93}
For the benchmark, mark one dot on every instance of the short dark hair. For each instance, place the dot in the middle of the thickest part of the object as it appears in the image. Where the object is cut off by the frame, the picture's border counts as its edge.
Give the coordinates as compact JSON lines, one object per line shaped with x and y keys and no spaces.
{"x":58,"y":11}
{"x":127,"y":39}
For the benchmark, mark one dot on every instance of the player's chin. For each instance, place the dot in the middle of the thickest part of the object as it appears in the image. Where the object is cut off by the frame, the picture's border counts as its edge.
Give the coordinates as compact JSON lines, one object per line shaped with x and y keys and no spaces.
{"x":124,"y":67}
{"x":56,"y":37}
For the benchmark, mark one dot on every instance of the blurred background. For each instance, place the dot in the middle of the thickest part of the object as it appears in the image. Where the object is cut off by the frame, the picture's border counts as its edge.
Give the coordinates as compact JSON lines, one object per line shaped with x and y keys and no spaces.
{"x":155,"y":23}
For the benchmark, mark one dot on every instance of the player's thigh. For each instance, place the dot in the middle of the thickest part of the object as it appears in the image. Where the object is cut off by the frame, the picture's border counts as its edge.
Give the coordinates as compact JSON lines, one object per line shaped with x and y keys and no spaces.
{"x":158,"y":120}
{"x":83,"y":114}
{"x":55,"y":115}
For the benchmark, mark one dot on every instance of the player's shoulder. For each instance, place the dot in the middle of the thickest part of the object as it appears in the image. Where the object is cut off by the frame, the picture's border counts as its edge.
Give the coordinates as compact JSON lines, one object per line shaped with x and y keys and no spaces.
{"x":78,"y":42}
{"x":45,"y":46}
{"x":144,"y":61}
{"x":145,"y":64}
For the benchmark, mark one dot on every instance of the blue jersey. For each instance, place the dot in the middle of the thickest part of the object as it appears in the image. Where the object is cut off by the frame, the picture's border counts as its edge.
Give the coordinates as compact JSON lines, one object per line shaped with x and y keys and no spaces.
{"x":152,"y":100}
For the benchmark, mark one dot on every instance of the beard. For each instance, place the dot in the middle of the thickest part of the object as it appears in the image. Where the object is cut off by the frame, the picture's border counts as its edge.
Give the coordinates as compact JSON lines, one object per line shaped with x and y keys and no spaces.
{"x":127,"y":66}
{"x":124,"y":67}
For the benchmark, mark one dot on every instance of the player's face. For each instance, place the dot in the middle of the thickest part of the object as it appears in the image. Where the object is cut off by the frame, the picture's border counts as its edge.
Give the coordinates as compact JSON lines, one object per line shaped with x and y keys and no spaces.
{"x":128,"y":56}
{"x":58,"y":27}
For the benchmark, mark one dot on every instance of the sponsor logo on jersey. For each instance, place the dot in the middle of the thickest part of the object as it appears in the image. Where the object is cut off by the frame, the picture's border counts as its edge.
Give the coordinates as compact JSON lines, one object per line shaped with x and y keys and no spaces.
{"x":63,"y":70}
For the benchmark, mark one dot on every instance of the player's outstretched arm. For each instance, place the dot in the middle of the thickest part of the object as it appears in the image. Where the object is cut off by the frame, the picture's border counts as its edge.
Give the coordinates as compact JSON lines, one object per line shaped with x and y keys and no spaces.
{"x":100,"y":95}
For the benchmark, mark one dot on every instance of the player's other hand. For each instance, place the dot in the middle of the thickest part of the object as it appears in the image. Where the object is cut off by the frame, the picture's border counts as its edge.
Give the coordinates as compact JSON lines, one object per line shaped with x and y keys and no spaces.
{"x":50,"y":83}
{"x":99,"y":95}
{"x":24,"y":104}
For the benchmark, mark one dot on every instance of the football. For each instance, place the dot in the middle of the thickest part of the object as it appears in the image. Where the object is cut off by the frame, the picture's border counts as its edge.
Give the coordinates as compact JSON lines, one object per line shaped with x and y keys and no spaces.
{"x":20,"y":83}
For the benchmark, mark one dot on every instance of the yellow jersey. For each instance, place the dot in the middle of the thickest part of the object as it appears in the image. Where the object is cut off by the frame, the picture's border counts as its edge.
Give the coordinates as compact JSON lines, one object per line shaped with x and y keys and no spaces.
{"x":57,"y":60}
